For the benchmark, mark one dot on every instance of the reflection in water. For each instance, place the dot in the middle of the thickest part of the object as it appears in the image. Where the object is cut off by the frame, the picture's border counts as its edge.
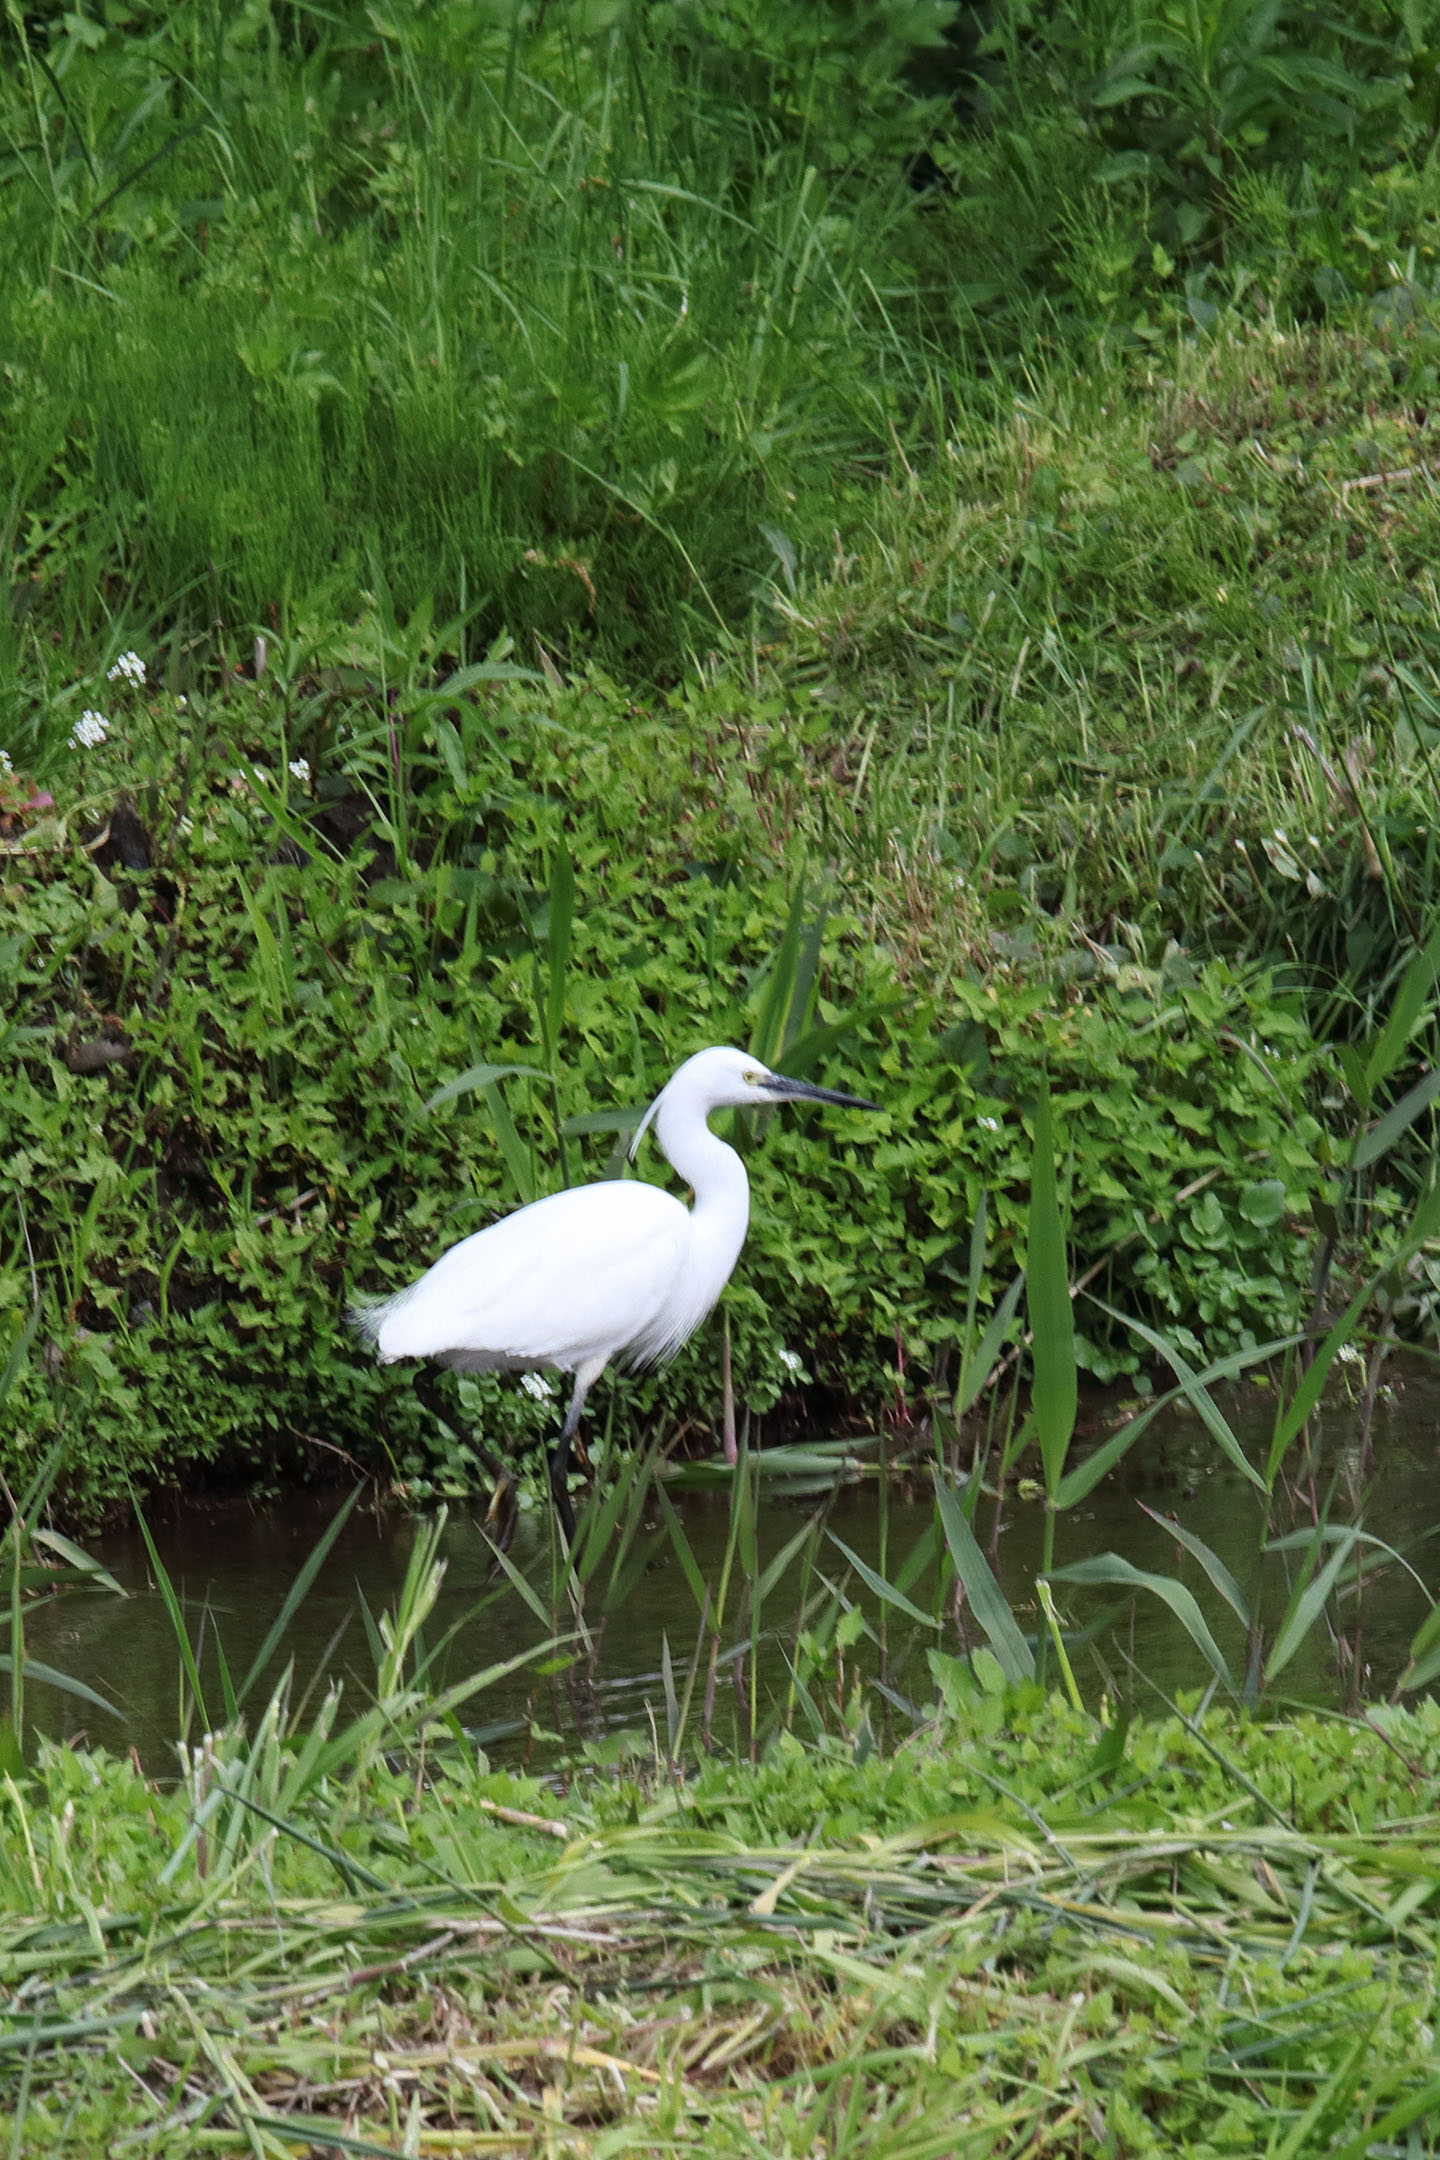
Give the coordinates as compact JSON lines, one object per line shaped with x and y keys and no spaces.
{"x":232,"y":1566}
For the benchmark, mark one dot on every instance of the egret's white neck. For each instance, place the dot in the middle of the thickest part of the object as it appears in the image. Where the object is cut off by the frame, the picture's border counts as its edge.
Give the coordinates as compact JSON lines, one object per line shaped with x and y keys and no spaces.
{"x":713,"y":1171}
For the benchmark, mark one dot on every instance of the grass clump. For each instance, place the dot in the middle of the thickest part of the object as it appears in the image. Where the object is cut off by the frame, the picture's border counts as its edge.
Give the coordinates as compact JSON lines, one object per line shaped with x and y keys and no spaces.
{"x":1009,"y":1931}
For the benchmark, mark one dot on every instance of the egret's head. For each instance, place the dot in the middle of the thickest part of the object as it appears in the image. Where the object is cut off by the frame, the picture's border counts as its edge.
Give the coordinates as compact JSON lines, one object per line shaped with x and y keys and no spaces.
{"x":724,"y":1079}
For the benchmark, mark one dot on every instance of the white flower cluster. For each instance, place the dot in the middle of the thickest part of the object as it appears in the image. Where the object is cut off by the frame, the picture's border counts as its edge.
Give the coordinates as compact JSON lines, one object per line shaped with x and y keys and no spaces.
{"x":536,"y":1384}
{"x":91,"y":728}
{"x":128,"y":668}
{"x":5,"y":764}
{"x":300,"y":770}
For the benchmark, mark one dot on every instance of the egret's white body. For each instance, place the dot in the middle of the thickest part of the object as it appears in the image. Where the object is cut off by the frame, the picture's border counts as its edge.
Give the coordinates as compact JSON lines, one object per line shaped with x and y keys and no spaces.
{"x":598,"y":1271}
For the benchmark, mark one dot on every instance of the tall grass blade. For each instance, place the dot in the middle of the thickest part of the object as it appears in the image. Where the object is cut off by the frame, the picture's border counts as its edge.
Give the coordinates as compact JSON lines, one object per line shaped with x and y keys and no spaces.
{"x":37,"y":1669}
{"x":976,"y":1368}
{"x":987,"y":1600}
{"x":1423,"y":1662}
{"x":296,"y":1595}
{"x":1111,"y":1568}
{"x":479,"y":1076}
{"x":1052,"y":1318}
{"x":778,"y":1567}
{"x":520,"y":1583}
{"x":1308,"y":1601}
{"x":1406,"y":1007}
{"x":684,"y":1552}
{"x":885,"y":1591}
{"x":557,"y":949}
{"x":1195,"y":1392}
{"x":1421,"y":2107}
{"x":176,"y":1618}
{"x":1382,"y":1136}
{"x":517,"y":1157}
{"x":1302,"y":1403}
{"x":1210,"y":1560}
{"x":767,"y":1037}
{"x":82,"y":1564}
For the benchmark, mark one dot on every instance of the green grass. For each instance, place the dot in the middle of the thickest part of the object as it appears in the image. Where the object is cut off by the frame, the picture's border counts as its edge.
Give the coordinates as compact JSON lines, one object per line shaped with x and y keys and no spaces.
{"x":522,"y":315}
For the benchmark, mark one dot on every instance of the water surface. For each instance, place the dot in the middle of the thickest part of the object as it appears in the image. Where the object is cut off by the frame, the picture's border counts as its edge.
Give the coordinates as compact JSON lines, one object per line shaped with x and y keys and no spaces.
{"x":232,"y":1564}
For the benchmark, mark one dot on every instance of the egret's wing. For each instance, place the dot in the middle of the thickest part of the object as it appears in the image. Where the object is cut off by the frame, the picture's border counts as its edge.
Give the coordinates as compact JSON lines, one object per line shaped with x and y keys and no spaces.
{"x":573,"y":1277}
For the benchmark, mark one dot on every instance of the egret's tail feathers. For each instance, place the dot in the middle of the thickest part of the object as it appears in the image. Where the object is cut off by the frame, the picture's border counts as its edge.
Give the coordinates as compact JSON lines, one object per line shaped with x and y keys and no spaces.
{"x":367,"y":1316}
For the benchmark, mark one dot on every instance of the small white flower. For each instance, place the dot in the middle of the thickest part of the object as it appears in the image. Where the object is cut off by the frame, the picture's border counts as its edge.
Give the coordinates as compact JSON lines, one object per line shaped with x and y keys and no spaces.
{"x":1350,"y":1353}
{"x":5,"y":764}
{"x":789,"y":1360}
{"x":988,"y":1124}
{"x":300,"y":770}
{"x":91,"y":728}
{"x":182,"y":702}
{"x":536,"y":1384}
{"x":128,"y":668}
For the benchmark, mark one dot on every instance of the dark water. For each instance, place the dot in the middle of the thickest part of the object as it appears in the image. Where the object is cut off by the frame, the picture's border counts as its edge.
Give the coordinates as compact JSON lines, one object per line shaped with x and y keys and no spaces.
{"x":233,"y":1564}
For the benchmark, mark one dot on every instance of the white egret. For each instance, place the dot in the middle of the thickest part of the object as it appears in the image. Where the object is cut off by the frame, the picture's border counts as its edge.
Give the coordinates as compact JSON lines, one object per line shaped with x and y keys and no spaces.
{"x":618,"y":1266}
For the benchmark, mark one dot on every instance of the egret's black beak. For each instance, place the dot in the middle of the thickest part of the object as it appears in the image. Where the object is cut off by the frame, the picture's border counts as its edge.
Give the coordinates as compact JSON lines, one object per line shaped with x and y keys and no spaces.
{"x":783,"y":1089}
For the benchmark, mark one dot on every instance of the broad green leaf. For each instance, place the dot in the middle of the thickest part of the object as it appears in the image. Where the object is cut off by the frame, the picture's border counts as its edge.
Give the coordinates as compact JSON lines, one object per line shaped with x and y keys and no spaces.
{"x":988,"y":1601}
{"x":453,"y":752}
{"x":486,"y":671}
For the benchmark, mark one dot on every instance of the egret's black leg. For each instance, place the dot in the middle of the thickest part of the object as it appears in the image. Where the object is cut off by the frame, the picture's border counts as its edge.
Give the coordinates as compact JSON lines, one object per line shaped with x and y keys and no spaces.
{"x":560,"y":1463}
{"x":502,"y":1509}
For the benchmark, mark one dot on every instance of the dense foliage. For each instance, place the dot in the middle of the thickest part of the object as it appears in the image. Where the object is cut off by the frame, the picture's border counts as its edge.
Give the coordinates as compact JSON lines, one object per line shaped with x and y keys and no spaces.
{"x":221,"y":1097}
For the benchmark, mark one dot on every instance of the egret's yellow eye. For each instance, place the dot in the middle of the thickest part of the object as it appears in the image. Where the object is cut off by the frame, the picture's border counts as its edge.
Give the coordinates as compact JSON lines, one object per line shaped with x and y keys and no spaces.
{"x":750,"y":1078}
